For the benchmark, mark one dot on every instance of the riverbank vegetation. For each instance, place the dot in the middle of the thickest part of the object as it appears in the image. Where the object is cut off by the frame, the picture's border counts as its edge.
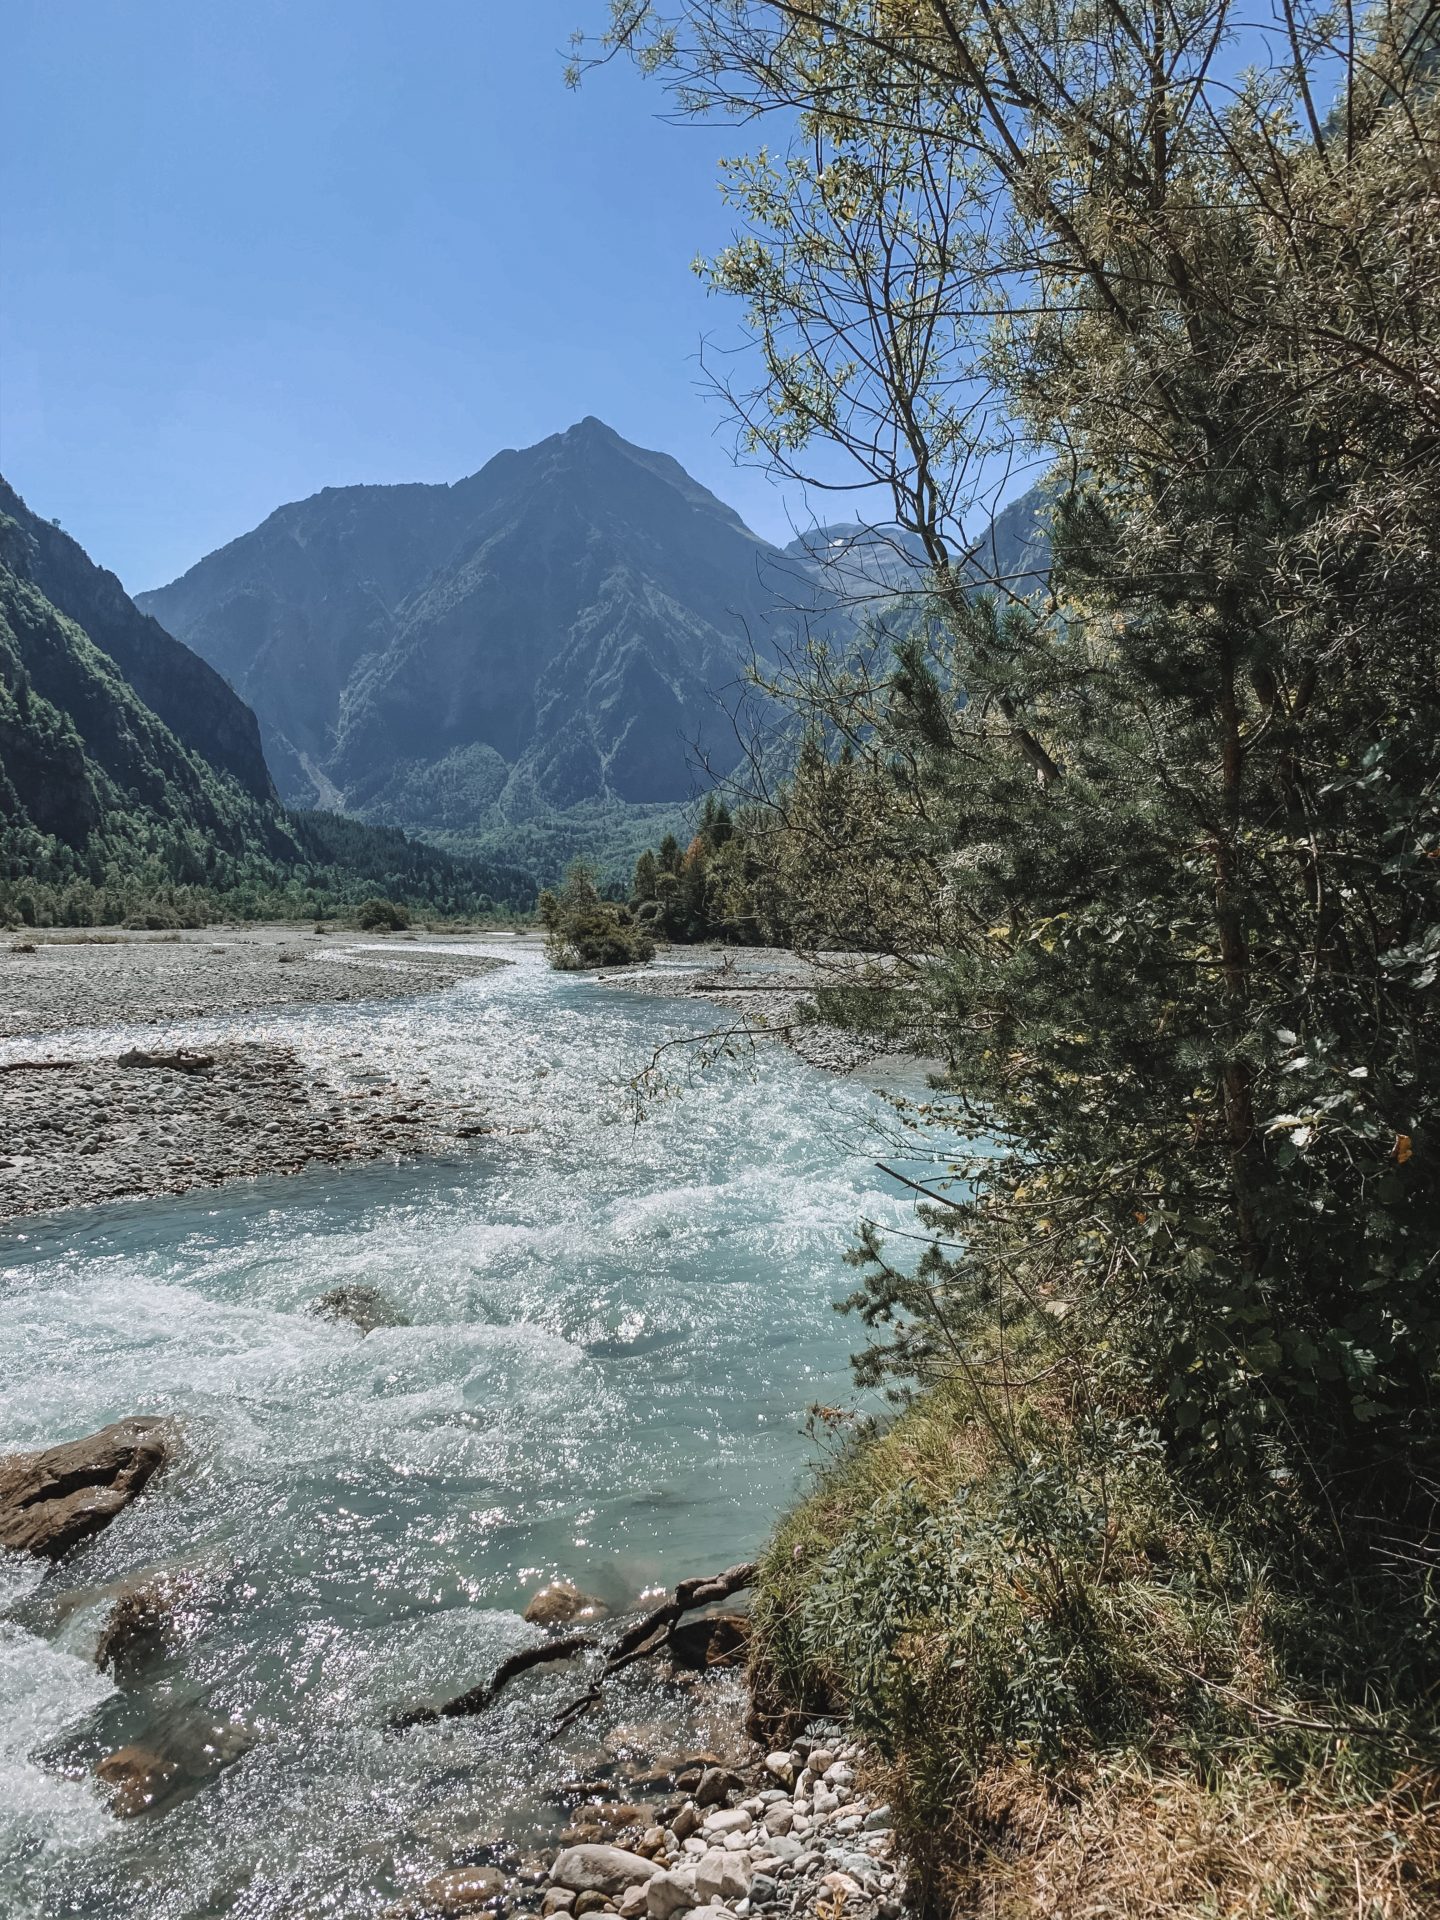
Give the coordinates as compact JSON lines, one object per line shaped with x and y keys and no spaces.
{"x":1136,"y":1594}
{"x":704,"y":890}
{"x":583,"y":929}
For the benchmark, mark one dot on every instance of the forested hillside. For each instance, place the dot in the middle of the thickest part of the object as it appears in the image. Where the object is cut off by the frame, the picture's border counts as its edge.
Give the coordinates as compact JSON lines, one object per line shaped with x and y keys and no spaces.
{"x":108,"y":812}
{"x":91,"y":778}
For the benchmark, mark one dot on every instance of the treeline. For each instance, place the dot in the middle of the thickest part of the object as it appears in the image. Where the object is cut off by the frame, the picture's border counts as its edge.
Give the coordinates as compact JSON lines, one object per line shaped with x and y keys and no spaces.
{"x":705,"y":890}
{"x":723,"y":885}
{"x":135,"y":872}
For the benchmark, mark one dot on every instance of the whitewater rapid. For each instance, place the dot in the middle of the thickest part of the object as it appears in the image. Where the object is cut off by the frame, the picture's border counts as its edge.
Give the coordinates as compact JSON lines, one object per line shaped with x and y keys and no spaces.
{"x":617,"y":1320}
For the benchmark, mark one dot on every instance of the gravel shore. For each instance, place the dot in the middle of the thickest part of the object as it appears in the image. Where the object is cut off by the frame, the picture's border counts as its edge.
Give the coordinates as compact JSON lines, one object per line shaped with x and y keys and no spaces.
{"x":791,"y":1833}
{"x":54,"y":983}
{"x":79,"y":1127}
{"x":770,"y":992}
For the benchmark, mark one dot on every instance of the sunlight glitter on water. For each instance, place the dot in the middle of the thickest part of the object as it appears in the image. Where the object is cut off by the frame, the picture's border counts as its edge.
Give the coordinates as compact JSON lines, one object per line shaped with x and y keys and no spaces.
{"x":613,"y":1334}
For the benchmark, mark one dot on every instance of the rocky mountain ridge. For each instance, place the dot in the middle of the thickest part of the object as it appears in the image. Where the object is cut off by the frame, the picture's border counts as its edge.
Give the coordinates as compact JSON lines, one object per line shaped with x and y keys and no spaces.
{"x":125,"y":759}
{"x":553,"y":630}
{"x":86,"y":760}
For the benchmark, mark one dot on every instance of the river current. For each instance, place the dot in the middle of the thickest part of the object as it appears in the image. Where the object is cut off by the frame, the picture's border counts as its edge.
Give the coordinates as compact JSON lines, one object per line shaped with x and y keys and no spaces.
{"x":615,"y":1327}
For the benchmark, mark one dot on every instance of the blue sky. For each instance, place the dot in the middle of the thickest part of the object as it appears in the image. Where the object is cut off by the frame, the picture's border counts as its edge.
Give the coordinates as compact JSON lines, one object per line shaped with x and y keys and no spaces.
{"x":248,"y":251}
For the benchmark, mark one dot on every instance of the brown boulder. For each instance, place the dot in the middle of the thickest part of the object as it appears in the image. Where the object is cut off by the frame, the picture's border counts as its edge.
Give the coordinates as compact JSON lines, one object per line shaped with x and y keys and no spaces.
{"x":559,"y":1603}
{"x":715,"y":1785}
{"x":139,"y":1779}
{"x":57,"y":1496}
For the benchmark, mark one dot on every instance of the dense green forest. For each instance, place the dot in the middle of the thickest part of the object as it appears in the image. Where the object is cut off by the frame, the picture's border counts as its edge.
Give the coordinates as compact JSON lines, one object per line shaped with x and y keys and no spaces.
{"x":1135,"y":1591}
{"x":133,"y":875}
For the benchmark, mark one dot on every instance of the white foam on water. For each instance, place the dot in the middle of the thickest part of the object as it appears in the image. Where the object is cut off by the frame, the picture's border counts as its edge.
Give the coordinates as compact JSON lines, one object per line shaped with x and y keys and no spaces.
{"x":43,"y":1690}
{"x":613,"y":1333}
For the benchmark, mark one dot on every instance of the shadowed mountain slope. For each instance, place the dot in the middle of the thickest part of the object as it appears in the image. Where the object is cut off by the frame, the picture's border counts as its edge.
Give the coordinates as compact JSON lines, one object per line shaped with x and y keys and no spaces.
{"x":126,"y":762}
{"x":553,"y":630}
{"x":180,"y":689}
{"x":84,"y":758}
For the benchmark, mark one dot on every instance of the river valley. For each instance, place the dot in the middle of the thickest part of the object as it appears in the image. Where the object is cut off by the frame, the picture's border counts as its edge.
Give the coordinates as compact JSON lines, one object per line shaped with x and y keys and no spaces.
{"x":609,"y":1327}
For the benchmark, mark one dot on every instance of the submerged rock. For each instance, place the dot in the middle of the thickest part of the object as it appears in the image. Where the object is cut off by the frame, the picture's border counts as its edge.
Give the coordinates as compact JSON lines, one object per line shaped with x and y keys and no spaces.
{"x":559,"y":1603}
{"x":57,"y":1496}
{"x":140,"y":1780}
{"x":364,"y":1307}
{"x":462,"y":1890}
{"x":146,"y":1621}
{"x":176,"y":1756}
{"x":715,"y":1640}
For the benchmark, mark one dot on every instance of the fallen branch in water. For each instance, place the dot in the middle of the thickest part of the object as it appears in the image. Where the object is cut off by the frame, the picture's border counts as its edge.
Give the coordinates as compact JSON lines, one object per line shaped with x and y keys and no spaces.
{"x":637,"y":1642}
{"x":640,"y":1643}
{"x":478,"y":1698}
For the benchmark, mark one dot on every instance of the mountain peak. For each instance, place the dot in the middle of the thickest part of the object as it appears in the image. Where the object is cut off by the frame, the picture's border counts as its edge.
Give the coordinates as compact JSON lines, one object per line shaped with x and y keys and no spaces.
{"x":552,"y":629}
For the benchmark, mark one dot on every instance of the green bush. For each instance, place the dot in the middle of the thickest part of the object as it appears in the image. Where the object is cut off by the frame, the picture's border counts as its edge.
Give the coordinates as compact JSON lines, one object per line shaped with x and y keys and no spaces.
{"x":583,"y":930}
{"x":381,"y":916}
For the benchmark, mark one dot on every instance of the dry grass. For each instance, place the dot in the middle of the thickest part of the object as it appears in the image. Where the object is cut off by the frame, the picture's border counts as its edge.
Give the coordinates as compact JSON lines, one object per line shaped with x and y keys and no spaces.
{"x":1102,"y":1725}
{"x":1136,"y":1845}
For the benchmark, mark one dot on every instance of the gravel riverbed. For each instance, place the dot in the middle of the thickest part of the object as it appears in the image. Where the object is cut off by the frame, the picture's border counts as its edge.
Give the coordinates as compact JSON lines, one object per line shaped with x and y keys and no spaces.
{"x":55,"y":983}
{"x":83,"y":1120}
{"x":765,"y":992}
{"x":790,"y":1833}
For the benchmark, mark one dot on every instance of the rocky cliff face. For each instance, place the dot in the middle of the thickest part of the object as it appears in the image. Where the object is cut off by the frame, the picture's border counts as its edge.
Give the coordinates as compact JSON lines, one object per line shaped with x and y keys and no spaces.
{"x":553,"y":629}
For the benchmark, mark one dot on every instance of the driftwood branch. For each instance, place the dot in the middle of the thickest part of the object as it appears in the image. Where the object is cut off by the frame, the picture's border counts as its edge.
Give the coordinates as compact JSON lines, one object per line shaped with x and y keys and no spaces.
{"x":652,"y":1634}
{"x":478,"y":1698}
{"x":701,"y":1592}
{"x":647,"y":1636}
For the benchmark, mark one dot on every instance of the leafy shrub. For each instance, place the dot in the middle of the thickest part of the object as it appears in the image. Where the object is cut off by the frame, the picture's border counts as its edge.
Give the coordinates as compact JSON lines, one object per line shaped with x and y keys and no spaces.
{"x":381,"y":916}
{"x":583,"y":930}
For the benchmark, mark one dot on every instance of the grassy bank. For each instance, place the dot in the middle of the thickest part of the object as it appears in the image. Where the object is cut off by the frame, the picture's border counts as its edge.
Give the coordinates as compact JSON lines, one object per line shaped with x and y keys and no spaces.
{"x":1094,"y":1692}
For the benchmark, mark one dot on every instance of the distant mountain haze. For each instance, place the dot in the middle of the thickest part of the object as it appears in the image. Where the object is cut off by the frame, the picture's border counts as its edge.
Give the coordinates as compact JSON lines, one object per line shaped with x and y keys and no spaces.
{"x":859,"y":562}
{"x":553,"y":630}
